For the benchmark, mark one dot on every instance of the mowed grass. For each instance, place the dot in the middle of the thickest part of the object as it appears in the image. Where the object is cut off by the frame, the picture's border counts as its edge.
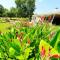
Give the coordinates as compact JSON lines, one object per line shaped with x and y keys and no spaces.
{"x":4,"y":27}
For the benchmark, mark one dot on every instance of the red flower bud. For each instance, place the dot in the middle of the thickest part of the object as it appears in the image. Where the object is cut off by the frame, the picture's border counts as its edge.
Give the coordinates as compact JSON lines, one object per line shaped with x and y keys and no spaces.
{"x":28,"y":41}
{"x":21,"y":33}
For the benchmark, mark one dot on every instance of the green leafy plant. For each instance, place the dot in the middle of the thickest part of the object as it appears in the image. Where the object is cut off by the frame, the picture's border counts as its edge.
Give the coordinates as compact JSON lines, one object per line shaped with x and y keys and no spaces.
{"x":30,"y":43}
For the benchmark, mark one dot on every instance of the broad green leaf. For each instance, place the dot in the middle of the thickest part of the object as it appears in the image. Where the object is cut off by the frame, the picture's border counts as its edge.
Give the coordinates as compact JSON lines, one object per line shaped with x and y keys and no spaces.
{"x":31,"y":58}
{"x":53,"y":51}
{"x":55,"y":38}
{"x":16,"y":47}
{"x":58,"y":46}
{"x":11,"y":51}
{"x":46,"y":47}
{"x":27,"y":52}
{"x":21,"y":57}
{"x":0,"y":55}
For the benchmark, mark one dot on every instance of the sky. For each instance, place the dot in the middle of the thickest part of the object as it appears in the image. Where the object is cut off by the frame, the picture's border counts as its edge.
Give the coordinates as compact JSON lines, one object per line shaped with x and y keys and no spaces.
{"x":41,"y":5}
{"x":8,"y":3}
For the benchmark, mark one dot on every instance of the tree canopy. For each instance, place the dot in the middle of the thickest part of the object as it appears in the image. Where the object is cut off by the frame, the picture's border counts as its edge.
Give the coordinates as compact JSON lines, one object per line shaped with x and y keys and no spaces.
{"x":12,"y":12}
{"x":1,"y":10}
{"x":25,"y":7}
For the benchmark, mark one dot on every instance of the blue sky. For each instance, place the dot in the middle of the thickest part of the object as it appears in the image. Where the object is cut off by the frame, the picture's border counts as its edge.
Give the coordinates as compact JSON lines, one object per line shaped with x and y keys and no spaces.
{"x":8,"y":3}
{"x":41,"y":5}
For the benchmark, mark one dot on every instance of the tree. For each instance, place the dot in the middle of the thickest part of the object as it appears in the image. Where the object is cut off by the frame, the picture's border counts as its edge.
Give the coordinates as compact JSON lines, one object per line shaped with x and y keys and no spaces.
{"x":25,"y":7}
{"x":1,"y":10}
{"x":5,"y":12}
{"x":12,"y":12}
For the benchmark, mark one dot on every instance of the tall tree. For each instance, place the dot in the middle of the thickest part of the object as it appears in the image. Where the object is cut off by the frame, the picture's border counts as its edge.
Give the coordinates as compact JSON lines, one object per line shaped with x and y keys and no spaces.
{"x":5,"y":12}
{"x":12,"y":12}
{"x":1,"y":10}
{"x":25,"y":7}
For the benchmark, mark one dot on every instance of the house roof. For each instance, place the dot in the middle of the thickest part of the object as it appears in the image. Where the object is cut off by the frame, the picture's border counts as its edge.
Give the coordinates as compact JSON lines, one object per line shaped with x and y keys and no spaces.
{"x":53,"y":12}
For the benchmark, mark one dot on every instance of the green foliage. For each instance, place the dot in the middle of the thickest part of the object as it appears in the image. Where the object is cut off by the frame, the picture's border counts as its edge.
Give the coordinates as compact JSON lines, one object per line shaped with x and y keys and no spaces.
{"x":26,"y":42}
{"x":25,"y":8}
{"x":11,"y":52}
{"x":4,"y":27}
{"x":1,"y":10}
{"x":12,"y":12}
{"x":54,"y":39}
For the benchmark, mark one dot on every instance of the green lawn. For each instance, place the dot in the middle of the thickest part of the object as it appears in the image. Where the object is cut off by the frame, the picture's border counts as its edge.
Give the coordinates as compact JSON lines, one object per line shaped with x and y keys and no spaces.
{"x":4,"y":27}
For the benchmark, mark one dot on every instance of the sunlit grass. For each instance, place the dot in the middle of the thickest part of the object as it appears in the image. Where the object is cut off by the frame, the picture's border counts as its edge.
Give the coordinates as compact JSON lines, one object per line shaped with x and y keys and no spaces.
{"x":4,"y":27}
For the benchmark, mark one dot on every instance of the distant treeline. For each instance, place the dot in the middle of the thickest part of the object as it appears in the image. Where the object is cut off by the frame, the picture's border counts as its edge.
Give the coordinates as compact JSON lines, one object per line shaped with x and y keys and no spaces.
{"x":24,"y":8}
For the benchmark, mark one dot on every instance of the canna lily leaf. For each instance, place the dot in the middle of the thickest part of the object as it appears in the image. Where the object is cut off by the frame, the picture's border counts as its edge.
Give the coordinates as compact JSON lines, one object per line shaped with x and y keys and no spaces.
{"x":55,"y":39}
{"x":21,"y":57}
{"x":16,"y":47}
{"x":47,"y":46}
{"x":0,"y":55}
{"x":11,"y":51}
{"x":58,"y":46}
{"x":53,"y":51}
{"x":27,"y":52}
